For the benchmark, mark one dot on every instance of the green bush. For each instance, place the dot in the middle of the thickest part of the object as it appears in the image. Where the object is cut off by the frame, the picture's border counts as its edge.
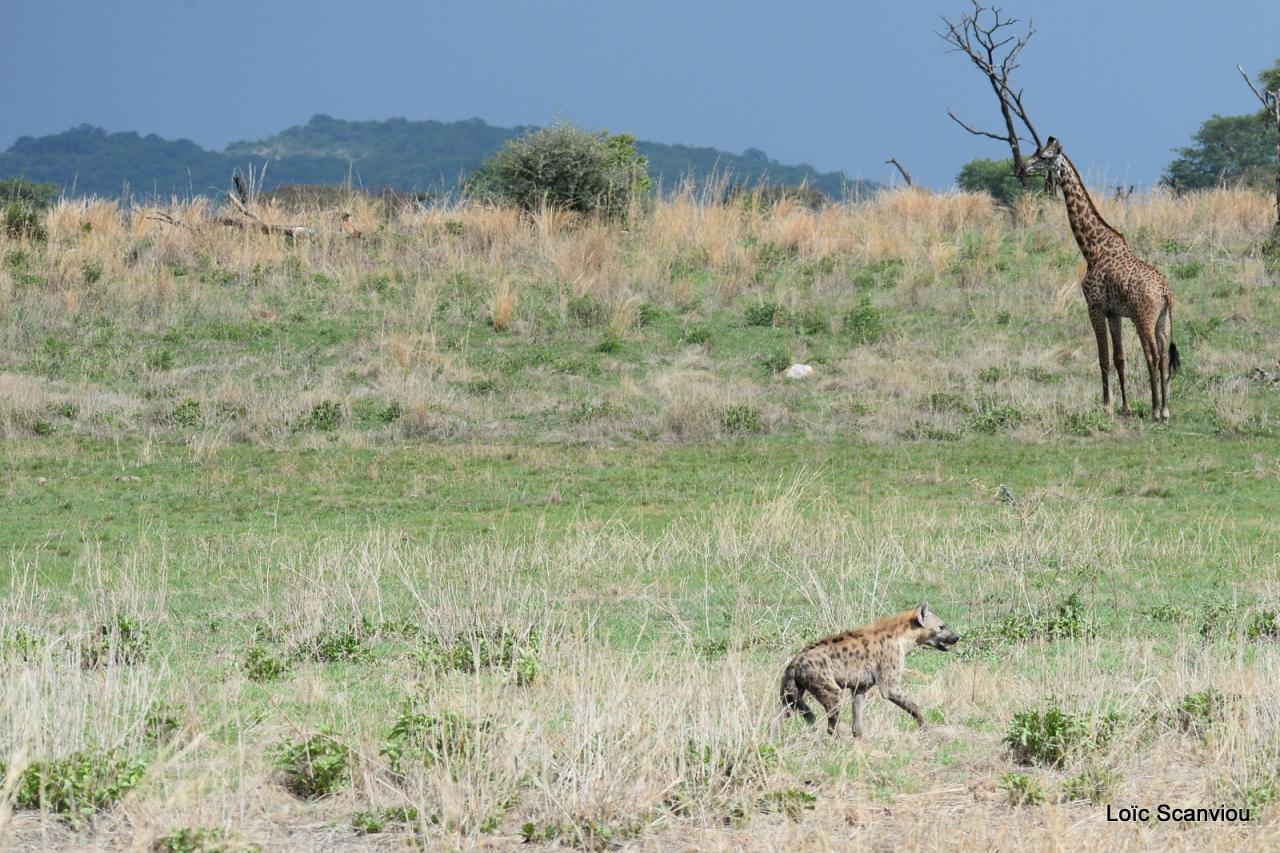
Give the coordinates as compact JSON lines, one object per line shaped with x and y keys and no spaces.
{"x":1263,"y":625}
{"x":187,"y":414}
{"x":1023,"y":790}
{"x":776,"y":360}
{"x":78,"y":786}
{"x":261,"y":664}
{"x":566,"y":167}
{"x":472,"y":651}
{"x":425,"y":740}
{"x":993,"y":417}
{"x":370,"y":823}
{"x":1196,"y":712}
{"x":347,"y":643}
{"x":762,"y":313}
{"x":325,"y":416}
{"x":1050,"y":737}
{"x":791,"y":802}
{"x":863,"y":323}
{"x":123,"y":640}
{"x":22,"y":221}
{"x":741,"y":420}
{"x":1093,"y":784}
{"x":996,"y":178}
{"x":1086,"y":423}
{"x":315,"y":767}
{"x":199,"y":839}
{"x":696,"y":334}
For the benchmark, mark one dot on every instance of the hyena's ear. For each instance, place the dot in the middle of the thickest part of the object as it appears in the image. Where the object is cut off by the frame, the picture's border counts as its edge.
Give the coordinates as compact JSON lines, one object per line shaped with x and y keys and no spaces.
{"x":922,"y":612}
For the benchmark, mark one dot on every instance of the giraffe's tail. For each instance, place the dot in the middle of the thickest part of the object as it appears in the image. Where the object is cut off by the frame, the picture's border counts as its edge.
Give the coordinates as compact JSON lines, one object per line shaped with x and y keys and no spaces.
{"x":1175,"y":361}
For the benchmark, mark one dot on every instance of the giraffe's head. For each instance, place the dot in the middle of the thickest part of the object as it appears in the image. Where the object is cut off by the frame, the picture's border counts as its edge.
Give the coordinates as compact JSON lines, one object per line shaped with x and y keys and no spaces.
{"x":1048,"y":161}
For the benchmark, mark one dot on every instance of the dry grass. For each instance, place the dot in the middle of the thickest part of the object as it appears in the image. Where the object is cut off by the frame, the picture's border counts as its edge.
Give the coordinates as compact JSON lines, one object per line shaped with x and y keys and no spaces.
{"x":664,"y":740}
{"x":125,"y":316}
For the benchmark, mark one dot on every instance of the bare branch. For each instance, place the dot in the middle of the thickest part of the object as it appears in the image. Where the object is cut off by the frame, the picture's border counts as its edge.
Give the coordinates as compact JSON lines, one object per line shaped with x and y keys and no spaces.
{"x":1266,"y":99}
{"x":995,"y":49}
{"x":906,"y":176}
{"x":977,"y":132}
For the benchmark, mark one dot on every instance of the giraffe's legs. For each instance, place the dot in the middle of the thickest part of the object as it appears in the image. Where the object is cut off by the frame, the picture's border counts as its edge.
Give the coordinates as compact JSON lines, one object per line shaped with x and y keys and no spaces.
{"x":1147,"y":334}
{"x":1104,"y":356}
{"x":1117,"y":358}
{"x":1163,"y":332}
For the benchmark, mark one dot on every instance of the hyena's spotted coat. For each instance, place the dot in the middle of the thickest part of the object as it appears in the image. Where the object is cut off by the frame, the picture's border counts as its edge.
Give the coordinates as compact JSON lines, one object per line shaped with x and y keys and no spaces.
{"x":858,"y":660}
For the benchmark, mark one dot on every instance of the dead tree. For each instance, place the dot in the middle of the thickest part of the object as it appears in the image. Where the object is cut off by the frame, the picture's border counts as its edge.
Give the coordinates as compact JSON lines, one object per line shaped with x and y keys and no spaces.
{"x":242,"y":202}
{"x":986,"y":37}
{"x":1271,"y":110}
{"x":906,"y":176}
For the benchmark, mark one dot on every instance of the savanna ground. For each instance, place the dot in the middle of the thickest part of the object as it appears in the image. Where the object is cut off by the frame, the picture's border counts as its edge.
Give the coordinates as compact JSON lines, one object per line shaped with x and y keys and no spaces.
{"x":482,"y":529}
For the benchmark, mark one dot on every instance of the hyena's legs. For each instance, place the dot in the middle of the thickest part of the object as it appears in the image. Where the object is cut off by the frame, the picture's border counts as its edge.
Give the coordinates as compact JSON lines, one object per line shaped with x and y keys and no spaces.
{"x":900,"y":699}
{"x":829,"y":695}
{"x":859,"y":696}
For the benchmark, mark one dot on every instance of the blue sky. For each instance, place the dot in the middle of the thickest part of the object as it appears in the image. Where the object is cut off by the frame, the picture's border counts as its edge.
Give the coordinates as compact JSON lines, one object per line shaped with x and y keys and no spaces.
{"x":840,"y":85}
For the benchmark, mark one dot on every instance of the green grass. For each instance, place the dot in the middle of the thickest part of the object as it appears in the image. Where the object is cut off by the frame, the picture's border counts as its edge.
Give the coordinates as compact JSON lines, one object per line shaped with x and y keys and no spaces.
{"x":313,"y":497}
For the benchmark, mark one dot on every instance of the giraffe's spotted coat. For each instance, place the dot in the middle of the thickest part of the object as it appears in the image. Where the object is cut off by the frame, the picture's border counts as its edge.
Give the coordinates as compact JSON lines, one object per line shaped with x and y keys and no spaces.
{"x":1117,"y":284}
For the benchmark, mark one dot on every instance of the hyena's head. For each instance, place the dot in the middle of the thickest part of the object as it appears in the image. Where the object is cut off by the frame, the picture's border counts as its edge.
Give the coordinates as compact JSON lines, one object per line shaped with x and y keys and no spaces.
{"x":931,"y":631}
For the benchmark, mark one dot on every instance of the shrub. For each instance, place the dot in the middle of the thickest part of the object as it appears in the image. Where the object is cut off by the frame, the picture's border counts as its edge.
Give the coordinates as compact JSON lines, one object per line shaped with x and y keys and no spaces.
{"x":122,"y":640}
{"x":584,"y":834}
{"x":609,"y":345}
{"x":586,"y":310}
{"x":1263,"y":625}
{"x":1196,"y":712}
{"x":79,"y":785}
{"x":1087,"y":423}
{"x":993,"y":417}
{"x":741,"y":420}
{"x":762,"y":313}
{"x":776,"y":360}
{"x":863,"y":323}
{"x":22,"y":221}
{"x":186,"y":414}
{"x":1069,"y":619}
{"x":325,"y":416}
{"x":260,"y":664}
{"x":1094,"y":784}
{"x":370,"y":823}
{"x":566,"y":167}
{"x":791,"y":802}
{"x":697,"y":334}
{"x":198,"y":839}
{"x":348,"y":643}
{"x":425,"y":740}
{"x":473,"y":651}
{"x":315,"y":767}
{"x":1050,"y":737}
{"x":996,"y":178}
{"x":1023,"y":790}
{"x":161,"y":724}
{"x":1188,"y":270}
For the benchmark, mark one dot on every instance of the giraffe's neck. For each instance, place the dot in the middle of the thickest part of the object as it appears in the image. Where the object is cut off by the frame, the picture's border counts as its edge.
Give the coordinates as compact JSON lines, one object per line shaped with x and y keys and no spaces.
{"x":1091,"y":231}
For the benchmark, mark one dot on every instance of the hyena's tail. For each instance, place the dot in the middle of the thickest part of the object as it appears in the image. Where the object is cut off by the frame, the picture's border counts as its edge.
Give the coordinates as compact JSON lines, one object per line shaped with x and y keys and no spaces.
{"x":1175,"y":361}
{"x":793,"y":697}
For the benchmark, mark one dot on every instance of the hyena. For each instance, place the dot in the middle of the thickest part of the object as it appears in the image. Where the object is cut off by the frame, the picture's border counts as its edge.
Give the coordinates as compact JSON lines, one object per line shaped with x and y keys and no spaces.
{"x":858,"y":660}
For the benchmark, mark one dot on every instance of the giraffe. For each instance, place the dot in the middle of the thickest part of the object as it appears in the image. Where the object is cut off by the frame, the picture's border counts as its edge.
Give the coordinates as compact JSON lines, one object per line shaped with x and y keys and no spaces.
{"x":1117,"y":284}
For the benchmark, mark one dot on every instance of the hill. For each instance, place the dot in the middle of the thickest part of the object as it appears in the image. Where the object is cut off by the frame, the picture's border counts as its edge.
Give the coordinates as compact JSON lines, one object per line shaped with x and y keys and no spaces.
{"x":427,"y":156}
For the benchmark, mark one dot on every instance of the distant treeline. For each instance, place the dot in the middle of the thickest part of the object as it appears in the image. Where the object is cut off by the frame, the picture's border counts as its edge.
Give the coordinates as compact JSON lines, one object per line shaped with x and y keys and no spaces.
{"x":429,"y":157}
